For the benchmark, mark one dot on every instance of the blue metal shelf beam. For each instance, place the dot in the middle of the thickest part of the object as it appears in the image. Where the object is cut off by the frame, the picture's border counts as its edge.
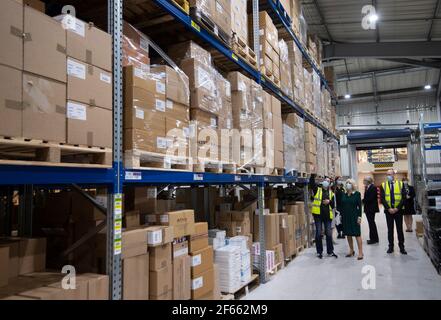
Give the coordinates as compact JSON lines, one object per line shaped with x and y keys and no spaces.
{"x":433,"y":148}
{"x":432,"y":126}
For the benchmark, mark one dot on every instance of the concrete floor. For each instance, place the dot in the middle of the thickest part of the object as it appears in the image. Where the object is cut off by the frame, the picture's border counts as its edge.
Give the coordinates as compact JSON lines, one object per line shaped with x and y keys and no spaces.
{"x":397,"y":277}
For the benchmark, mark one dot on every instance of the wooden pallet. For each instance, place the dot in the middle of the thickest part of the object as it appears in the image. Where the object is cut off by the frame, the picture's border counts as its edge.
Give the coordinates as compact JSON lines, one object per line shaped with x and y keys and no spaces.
{"x":214,"y":166}
{"x":208,"y":24}
{"x":227,"y":296}
{"x":276,"y":269}
{"x":138,"y":159}
{"x":301,"y":248}
{"x":241,"y":48}
{"x":183,"y":5}
{"x":278,"y":172}
{"x":302,"y":174}
{"x":21,"y":151}
{"x":243,"y":290}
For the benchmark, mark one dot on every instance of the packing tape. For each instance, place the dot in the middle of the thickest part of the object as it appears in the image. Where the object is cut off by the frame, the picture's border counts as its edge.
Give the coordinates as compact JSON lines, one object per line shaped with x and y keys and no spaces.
{"x":13,"y":104}
{"x":92,"y":102}
{"x":26,"y":105}
{"x":27,"y":36}
{"x":61,"y":48}
{"x":89,"y":56}
{"x":90,"y":70}
{"x":60,"y":109}
{"x":90,"y":138}
{"x":16,"y":32}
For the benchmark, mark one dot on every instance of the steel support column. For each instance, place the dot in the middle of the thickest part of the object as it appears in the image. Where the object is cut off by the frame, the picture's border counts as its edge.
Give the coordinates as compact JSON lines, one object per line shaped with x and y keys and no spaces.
{"x":261,"y":206}
{"x":308,"y":216}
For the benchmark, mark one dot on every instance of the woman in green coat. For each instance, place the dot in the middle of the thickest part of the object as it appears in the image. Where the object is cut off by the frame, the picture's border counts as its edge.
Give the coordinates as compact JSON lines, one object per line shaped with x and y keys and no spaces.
{"x":351,"y":208}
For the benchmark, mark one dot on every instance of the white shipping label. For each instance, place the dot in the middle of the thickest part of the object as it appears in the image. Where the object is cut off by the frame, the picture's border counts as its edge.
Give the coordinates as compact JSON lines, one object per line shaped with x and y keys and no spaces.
{"x":213,"y":122}
{"x":79,"y":28}
{"x":154,"y":237}
{"x":163,"y":218}
{"x":140,"y":114}
{"x":105,"y":78}
{"x":160,"y":105}
{"x":197,"y":283}
{"x":186,"y":131}
{"x":161,"y":143}
{"x":196,"y":260}
{"x":144,"y":44}
{"x":180,"y":252}
{"x":76,"y":69}
{"x":139,"y":73}
{"x":160,"y":87}
{"x":76,"y":111}
{"x":169,"y":104}
{"x":151,"y":193}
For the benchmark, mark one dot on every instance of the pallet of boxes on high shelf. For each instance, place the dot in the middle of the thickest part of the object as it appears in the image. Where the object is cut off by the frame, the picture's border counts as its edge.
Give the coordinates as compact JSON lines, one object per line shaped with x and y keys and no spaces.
{"x":296,"y":67}
{"x":310,"y":148}
{"x":269,"y":47}
{"x":60,"y":74}
{"x":239,"y":28}
{"x":156,"y":109}
{"x":294,"y":145}
{"x":210,"y":109}
{"x":214,"y":16}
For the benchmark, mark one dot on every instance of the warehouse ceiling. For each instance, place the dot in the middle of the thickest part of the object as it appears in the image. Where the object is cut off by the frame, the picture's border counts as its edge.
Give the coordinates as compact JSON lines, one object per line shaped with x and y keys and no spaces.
{"x":401,"y":56}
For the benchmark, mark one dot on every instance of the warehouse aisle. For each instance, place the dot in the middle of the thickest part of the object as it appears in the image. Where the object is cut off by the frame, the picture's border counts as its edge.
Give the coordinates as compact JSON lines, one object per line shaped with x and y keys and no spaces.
{"x":398,"y":277}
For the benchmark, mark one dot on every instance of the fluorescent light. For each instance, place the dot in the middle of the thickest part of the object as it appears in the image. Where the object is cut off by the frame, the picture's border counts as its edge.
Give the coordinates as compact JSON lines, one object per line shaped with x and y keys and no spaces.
{"x":427,"y":87}
{"x":373,"y":18}
{"x":347,"y":96}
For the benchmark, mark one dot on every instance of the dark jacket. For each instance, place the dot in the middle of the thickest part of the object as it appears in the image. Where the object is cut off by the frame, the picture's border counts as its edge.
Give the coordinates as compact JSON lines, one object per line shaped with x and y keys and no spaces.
{"x":370,"y":201}
{"x":409,"y":204}
{"x":383,"y":199}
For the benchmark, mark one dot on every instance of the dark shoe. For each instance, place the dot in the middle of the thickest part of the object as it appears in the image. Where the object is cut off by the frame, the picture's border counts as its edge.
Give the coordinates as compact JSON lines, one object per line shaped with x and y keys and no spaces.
{"x":320,"y":256}
{"x":350,"y":255}
{"x":409,"y":230}
{"x":372,"y":242}
{"x":390,"y":250}
{"x":403,"y":251}
{"x":332,"y":255}
{"x":360,"y":258}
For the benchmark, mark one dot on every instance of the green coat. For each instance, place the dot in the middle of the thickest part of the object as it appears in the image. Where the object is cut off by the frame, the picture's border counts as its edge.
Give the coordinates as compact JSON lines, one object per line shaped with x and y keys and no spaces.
{"x":351,"y":210}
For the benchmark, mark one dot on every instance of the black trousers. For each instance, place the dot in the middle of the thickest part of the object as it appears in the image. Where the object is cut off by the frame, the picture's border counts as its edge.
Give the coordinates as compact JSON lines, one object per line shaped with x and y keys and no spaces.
{"x":373,"y":231}
{"x":396,"y":218}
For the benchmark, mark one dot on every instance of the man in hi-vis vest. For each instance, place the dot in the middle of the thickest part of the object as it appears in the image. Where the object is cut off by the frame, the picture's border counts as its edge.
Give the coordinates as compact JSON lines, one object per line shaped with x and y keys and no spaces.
{"x":392,"y":198}
{"x":322,"y":206}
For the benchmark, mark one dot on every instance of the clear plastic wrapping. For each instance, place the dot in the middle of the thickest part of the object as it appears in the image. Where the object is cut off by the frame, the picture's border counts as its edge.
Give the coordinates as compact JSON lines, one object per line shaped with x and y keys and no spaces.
{"x":294,"y":143}
{"x":189,"y":50}
{"x":239,"y":20}
{"x":321,"y":161}
{"x":135,"y":48}
{"x":317,"y":95}
{"x":204,"y":8}
{"x":285,"y":70}
{"x":308,"y":83}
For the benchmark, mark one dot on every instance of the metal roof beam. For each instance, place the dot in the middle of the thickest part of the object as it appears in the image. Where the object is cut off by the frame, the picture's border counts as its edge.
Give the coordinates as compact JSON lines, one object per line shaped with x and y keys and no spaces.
{"x":383,"y":50}
{"x":435,"y":14}
{"x":389,"y":92}
{"x":378,"y":73}
{"x":357,"y":22}
{"x":322,"y":19}
{"x":412,"y":62}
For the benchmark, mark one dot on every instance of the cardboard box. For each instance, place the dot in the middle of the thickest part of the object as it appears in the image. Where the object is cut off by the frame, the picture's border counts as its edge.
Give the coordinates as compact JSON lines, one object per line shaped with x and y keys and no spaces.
{"x":146,"y":140}
{"x":159,"y":235}
{"x":44,"y":101}
{"x":181,"y":221}
{"x":160,"y":257}
{"x":4,"y":265}
{"x":202,"y":284}
{"x":176,"y":82}
{"x":11,"y":99}
{"x":222,"y":15}
{"x":278,"y":253}
{"x":36,"y":4}
{"x":273,"y":205}
{"x":45,"y":293}
{"x":98,"y":286}
{"x":88,"y":125}
{"x":201,"y":261}
{"x":134,"y":243}
{"x":161,"y":283}
{"x":87,"y":43}
{"x":14,"y":255}
{"x":89,"y":84}
{"x":136,"y":287}
{"x":180,"y":248}
{"x":44,"y":45}
{"x":135,"y":48}
{"x":272,"y":237}
{"x":11,"y":35}
{"x":32,"y":255}
{"x":182,"y":278}
{"x":132,"y":219}
{"x":199,"y":240}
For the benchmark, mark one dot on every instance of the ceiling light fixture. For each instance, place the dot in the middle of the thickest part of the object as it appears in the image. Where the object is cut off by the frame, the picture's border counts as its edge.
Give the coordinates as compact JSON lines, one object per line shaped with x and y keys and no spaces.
{"x":347,"y":96}
{"x":373,"y":18}
{"x":427,"y":87}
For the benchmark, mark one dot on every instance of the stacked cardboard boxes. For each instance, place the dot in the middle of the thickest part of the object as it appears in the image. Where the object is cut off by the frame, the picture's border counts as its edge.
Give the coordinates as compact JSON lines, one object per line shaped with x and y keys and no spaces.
{"x":37,"y":88}
{"x":286,"y":83}
{"x":322,"y":164}
{"x":181,"y":269}
{"x":272,"y":235}
{"x":311,"y":148}
{"x":239,"y":20}
{"x":317,"y":96}
{"x":235,"y":223}
{"x":214,"y":12}
{"x":309,"y":90}
{"x":278,"y":133}
{"x":135,"y":48}
{"x":294,"y":144}
{"x":298,"y":85}
{"x":161,"y":272}
{"x":269,"y":47}
{"x":202,"y":273}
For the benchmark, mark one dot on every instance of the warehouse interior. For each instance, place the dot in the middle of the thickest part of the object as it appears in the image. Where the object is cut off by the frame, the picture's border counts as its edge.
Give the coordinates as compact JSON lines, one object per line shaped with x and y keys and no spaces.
{"x":176,"y":149}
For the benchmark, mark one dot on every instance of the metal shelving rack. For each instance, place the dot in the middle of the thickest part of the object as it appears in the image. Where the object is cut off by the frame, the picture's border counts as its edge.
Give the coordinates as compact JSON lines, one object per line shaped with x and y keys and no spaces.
{"x":430,"y":134}
{"x":115,"y":178}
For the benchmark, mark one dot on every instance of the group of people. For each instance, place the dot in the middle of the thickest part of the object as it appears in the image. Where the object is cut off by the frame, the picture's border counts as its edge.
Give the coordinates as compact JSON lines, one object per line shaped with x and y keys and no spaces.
{"x":340,"y":203}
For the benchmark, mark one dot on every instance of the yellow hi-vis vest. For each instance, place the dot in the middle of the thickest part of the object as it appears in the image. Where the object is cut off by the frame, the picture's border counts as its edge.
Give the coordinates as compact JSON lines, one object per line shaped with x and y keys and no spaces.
{"x":398,"y":186}
{"x":318,"y":202}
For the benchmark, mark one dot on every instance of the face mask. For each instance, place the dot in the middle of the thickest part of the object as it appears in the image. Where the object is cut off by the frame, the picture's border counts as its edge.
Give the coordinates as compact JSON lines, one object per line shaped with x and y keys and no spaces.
{"x":406,"y":183}
{"x":349,"y":187}
{"x":325,"y":184}
{"x":390,"y":178}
